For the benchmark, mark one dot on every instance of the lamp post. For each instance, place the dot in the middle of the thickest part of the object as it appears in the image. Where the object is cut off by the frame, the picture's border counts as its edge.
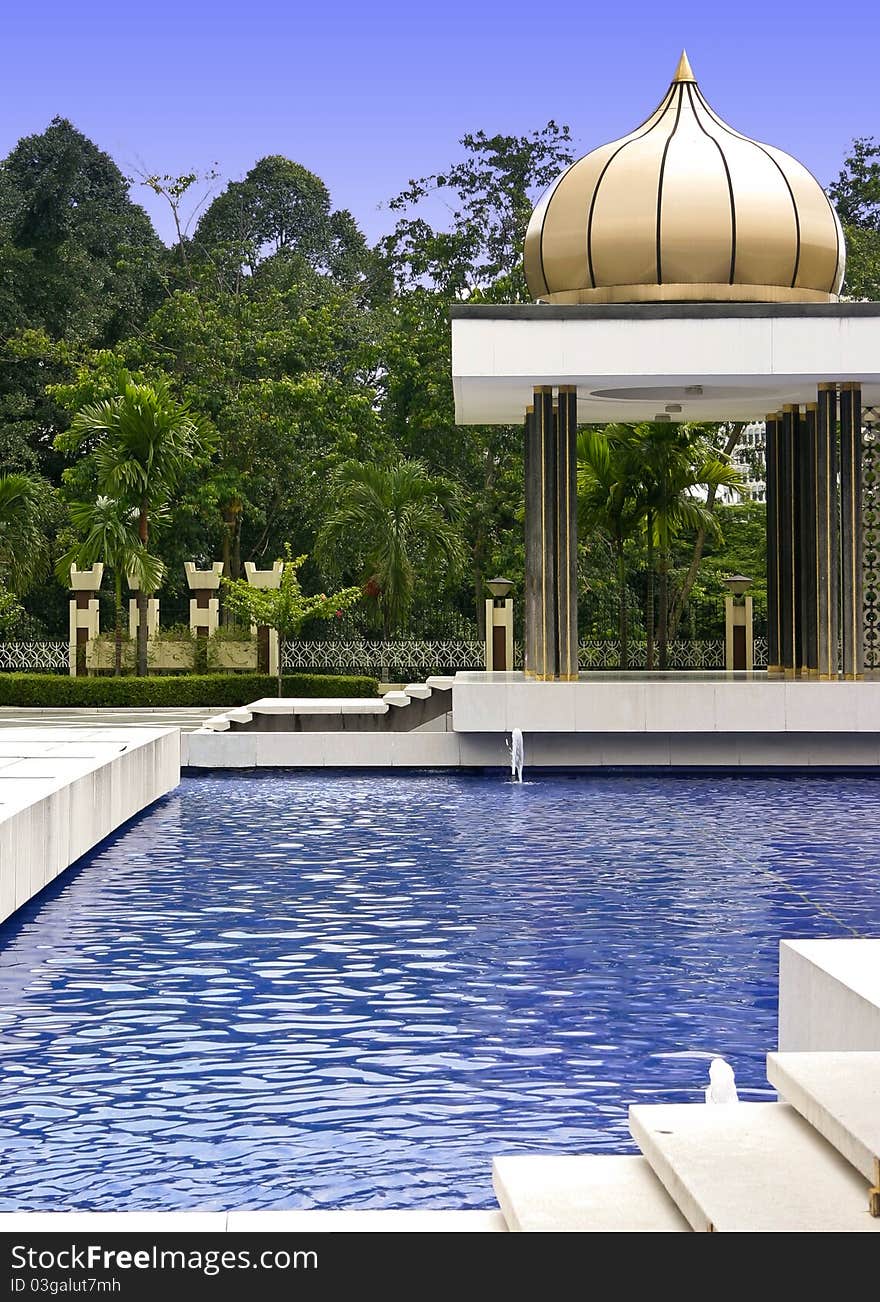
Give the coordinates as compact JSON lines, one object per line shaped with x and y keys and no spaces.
{"x":738,"y":624}
{"x":499,"y":625}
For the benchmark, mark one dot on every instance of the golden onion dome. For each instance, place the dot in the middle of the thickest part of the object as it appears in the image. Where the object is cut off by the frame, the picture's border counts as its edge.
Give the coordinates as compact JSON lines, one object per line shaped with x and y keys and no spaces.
{"x":685,"y":208}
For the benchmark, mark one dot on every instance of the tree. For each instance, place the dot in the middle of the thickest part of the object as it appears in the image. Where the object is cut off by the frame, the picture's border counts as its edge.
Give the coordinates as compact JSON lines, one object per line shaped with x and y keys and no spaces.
{"x":24,"y":547}
{"x":492,"y":192}
{"x":610,"y":501}
{"x":141,"y":442}
{"x":279,"y":207}
{"x":856,"y":195}
{"x":110,"y":532}
{"x":286,"y":608}
{"x":79,"y":261}
{"x":389,"y":521}
{"x":677,"y":469}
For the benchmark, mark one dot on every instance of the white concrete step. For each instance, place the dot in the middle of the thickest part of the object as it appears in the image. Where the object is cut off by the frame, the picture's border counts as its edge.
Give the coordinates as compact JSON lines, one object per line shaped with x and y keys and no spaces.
{"x":440,"y":682}
{"x":319,"y":705}
{"x":219,"y":723}
{"x":839,"y":1095}
{"x":396,"y":698}
{"x":421,"y":691}
{"x":751,"y":1167}
{"x":240,"y":715}
{"x":596,"y":1193}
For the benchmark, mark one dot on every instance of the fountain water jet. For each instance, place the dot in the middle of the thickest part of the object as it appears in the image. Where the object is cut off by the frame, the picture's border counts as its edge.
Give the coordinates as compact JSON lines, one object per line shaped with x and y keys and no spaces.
{"x":515,"y":746}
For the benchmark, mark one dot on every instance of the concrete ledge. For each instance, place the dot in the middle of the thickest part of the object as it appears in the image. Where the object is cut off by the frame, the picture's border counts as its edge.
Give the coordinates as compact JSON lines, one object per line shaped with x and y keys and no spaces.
{"x":366,"y":1222}
{"x":423,"y":748}
{"x":63,"y":791}
{"x":323,"y":749}
{"x":829,"y":995}
{"x":284,"y":1222}
{"x":681,"y":703}
{"x":596,"y":1193}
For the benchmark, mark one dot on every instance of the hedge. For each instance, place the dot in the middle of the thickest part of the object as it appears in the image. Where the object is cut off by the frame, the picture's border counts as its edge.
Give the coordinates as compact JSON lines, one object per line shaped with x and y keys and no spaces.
{"x":47,"y":690}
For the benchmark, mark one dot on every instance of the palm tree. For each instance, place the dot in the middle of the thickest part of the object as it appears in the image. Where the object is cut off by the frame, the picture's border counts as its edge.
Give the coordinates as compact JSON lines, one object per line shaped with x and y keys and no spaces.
{"x":391,"y":519}
{"x":609,"y":501}
{"x":143,"y":441}
{"x":23,"y":544}
{"x":678,"y":470}
{"x":111,"y":535}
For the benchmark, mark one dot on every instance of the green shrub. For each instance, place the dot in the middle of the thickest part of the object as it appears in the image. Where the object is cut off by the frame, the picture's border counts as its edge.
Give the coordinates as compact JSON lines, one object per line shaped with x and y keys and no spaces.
{"x":48,"y":690}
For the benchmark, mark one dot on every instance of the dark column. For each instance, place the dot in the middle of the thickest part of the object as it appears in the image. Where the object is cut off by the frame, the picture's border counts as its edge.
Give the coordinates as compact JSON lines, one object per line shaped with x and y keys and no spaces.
{"x":827,"y":528}
{"x":82,"y":634}
{"x":797,"y":482}
{"x":771,"y":479}
{"x":566,"y":534}
{"x":787,"y":543}
{"x":532,"y":602}
{"x":852,"y":622}
{"x":809,"y":577}
{"x":262,"y":648}
{"x":540,"y":611}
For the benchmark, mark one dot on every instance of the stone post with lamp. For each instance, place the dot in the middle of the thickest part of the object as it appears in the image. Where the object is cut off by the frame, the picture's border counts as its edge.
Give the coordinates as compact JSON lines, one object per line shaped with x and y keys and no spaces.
{"x":739,"y":641}
{"x":499,"y":625}
{"x":85,"y":619}
{"x":267,"y":638}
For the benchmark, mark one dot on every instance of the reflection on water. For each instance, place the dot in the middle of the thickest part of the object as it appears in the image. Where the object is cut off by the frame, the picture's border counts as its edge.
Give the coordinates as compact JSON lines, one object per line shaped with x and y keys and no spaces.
{"x":323,"y":990}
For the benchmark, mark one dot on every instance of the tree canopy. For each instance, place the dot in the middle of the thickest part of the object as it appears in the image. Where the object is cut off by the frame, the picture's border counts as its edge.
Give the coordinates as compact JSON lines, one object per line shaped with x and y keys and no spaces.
{"x":321,"y":367}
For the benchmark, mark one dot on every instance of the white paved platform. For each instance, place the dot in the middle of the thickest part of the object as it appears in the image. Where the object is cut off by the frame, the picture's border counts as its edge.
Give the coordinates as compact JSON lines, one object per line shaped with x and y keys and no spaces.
{"x":284,"y":1222}
{"x":64,"y":790}
{"x":185,"y":717}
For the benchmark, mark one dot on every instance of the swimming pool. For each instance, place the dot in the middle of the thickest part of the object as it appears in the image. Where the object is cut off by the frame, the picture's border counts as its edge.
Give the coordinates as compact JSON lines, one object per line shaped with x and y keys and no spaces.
{"x":351,"y":990}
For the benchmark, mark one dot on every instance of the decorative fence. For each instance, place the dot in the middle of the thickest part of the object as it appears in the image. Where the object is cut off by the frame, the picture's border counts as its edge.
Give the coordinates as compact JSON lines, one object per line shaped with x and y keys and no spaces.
{"x":28,"y":657}
{"x":410,"y":659}
{"x":871,"y":543}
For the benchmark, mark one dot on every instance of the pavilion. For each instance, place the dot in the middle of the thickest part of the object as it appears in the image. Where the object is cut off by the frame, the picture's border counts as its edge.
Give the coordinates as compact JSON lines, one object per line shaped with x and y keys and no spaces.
{"x":687,"y":273}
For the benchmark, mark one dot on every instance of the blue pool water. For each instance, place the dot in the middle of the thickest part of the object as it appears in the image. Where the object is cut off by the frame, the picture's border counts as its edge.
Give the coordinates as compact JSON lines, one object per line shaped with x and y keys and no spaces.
{"x":325,"y":990}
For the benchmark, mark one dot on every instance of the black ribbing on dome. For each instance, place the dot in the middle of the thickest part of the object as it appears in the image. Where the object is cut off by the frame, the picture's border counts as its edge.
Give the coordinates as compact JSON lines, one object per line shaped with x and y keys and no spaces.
{"x":660,"y":182}
{"x":717,"y":145}
{"x":660,"y":112}
{"x":737,"y":135}
{"x":556,"y":185}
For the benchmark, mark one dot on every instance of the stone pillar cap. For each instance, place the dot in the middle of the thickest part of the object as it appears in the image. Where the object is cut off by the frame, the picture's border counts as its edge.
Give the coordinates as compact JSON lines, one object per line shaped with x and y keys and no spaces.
{"x":87,"y":580}
{"x":264,"y":578}
{"x":197,"y":578}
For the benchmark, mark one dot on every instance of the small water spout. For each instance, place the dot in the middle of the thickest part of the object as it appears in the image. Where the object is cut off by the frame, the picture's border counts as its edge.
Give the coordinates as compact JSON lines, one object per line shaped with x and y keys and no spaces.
{"x":722,"y":1083}
{"x":515,"y":746}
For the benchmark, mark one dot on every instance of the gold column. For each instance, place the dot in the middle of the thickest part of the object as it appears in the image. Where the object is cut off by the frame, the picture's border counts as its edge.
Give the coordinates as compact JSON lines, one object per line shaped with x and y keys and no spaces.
{"x":566,"y":534}
{"x":827,"y":531}
{"x":788,"y":621}
{"x":771,"y":477}
{"x":852,"y":617}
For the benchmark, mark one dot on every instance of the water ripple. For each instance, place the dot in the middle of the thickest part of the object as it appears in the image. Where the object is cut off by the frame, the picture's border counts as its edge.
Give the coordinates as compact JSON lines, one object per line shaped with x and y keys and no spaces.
{"x":340,"y":990}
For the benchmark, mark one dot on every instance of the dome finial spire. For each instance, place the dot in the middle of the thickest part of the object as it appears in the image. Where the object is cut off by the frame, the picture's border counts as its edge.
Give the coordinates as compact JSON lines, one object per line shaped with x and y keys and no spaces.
{"x":684,"y":71}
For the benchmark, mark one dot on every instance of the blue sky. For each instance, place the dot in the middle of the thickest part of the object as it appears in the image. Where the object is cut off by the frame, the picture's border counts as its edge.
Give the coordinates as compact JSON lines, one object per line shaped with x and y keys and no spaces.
{"x":368,"y":95}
